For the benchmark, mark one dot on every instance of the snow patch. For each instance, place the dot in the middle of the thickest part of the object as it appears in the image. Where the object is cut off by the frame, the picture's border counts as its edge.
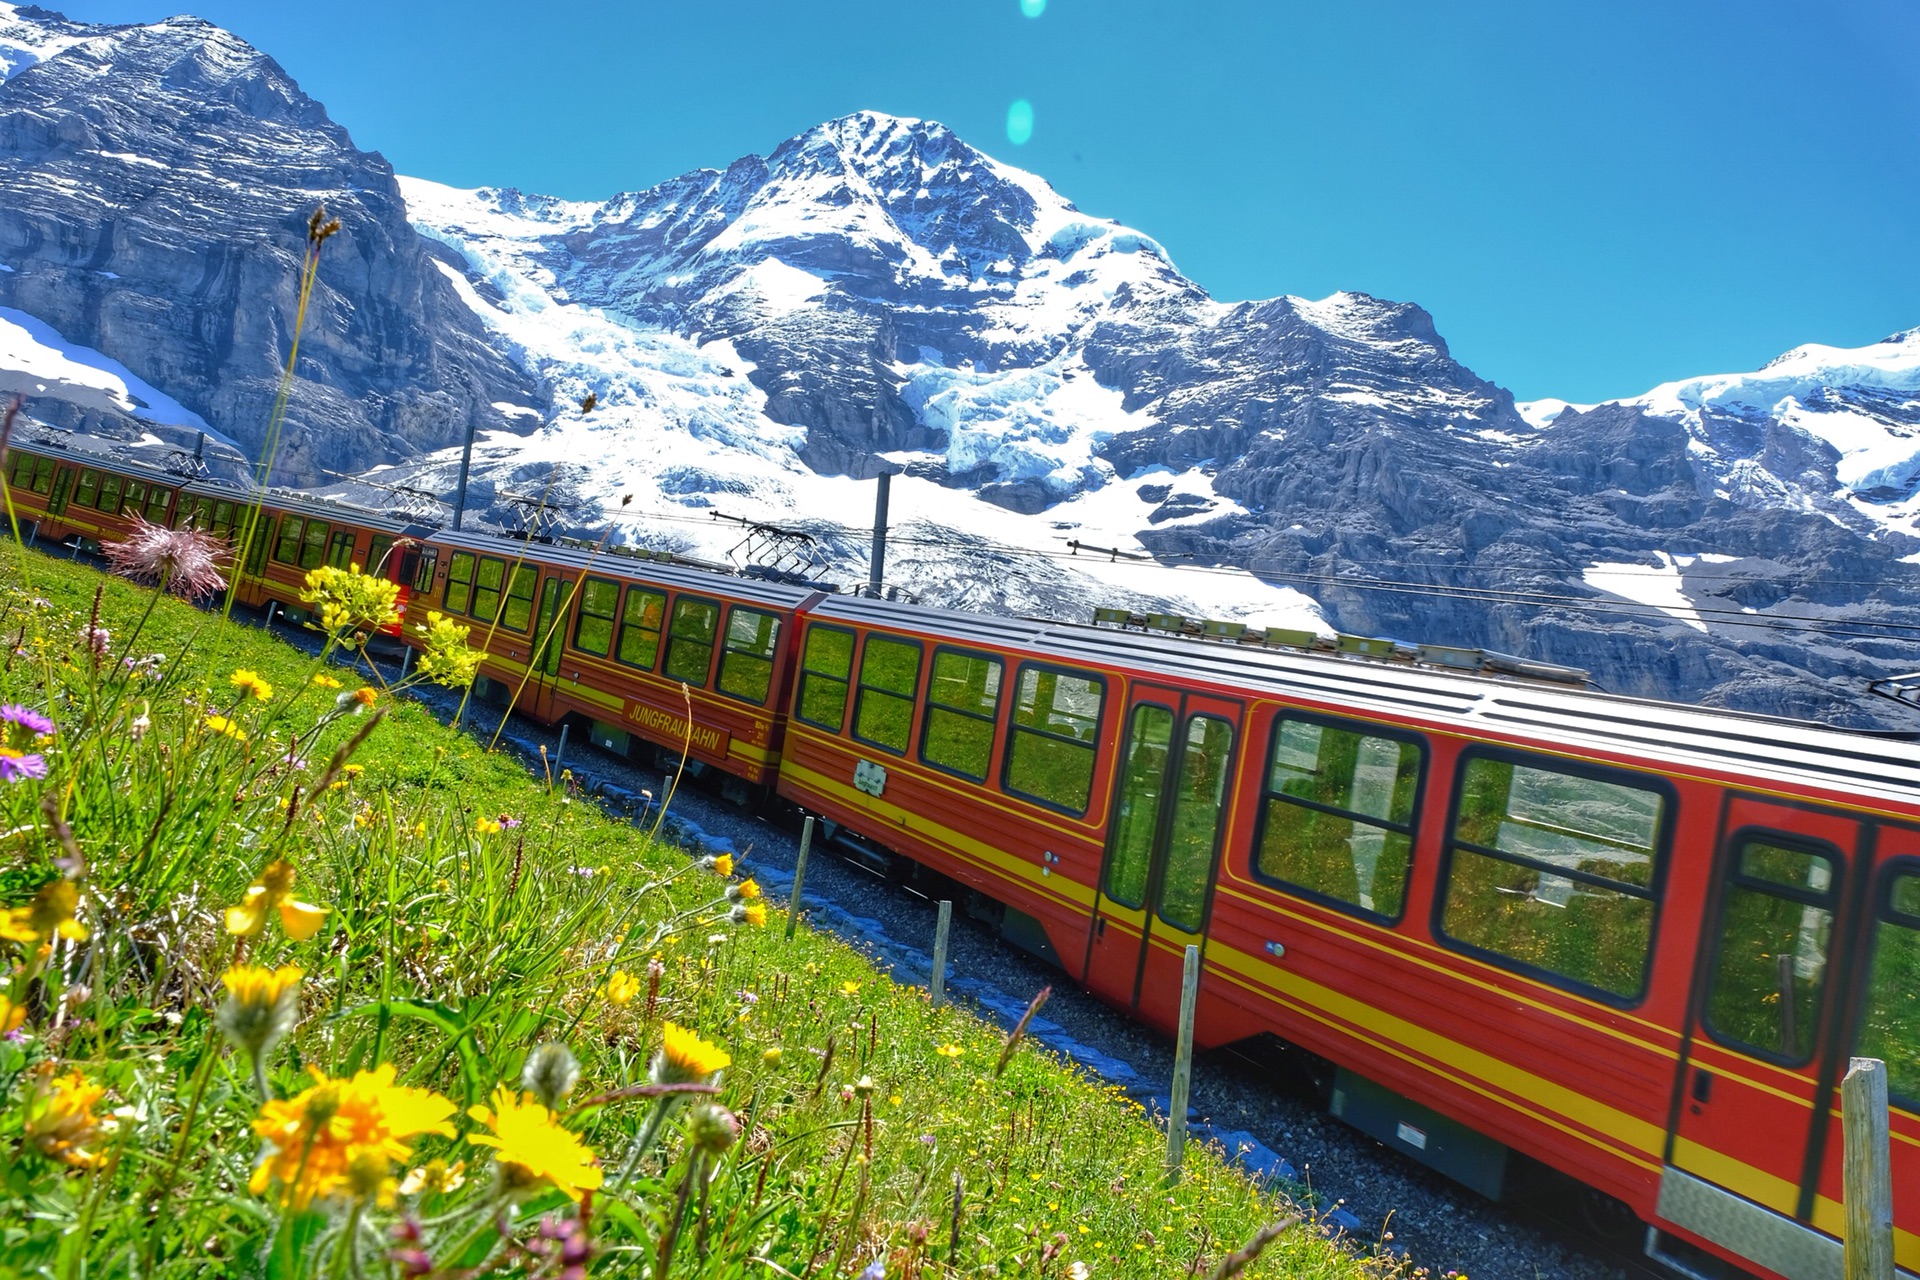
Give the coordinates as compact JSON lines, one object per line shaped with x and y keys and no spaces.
{"x":1657,"y":586}
{"x":39,"y":355}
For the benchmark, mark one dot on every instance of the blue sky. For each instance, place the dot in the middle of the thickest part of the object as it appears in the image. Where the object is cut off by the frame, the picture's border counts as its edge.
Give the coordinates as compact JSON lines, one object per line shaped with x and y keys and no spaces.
{"x":1590,"y":198}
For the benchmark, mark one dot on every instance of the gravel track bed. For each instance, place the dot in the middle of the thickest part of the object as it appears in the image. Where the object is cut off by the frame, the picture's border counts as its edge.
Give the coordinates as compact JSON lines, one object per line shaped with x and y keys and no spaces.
{"x":1442,"y":1226}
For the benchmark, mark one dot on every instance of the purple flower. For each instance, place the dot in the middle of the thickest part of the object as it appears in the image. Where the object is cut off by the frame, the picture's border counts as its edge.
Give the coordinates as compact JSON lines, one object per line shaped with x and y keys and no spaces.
{"x":507,"y":823}
{"x":32,"y":722}
{"x":184,"y":561}
{"x":15,"y":767}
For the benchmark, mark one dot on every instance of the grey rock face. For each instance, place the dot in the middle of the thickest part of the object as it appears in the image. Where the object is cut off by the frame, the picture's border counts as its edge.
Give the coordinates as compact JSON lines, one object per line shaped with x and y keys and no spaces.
{"x":155,"y":183}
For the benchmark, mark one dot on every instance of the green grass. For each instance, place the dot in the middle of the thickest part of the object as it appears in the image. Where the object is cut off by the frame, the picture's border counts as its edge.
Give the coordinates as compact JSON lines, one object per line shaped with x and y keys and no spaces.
{"x":450,"y":950}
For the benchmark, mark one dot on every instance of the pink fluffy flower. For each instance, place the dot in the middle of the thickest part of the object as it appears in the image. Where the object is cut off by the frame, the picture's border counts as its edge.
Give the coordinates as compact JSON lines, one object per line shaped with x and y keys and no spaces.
{"x":184,"y":561}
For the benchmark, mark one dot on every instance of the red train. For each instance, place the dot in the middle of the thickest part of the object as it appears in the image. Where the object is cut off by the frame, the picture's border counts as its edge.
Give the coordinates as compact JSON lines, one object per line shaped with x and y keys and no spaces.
{"x":1630,"y":940}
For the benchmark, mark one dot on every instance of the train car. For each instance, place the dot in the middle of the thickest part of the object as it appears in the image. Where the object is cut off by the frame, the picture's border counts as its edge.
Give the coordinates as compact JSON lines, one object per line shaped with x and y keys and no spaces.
{"x":688,"y":660}
{"x":1631,"y":940}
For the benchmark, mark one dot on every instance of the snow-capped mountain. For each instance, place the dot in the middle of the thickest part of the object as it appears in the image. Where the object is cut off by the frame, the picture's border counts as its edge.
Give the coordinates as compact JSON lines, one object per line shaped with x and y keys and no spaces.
{"x":875,"y":295}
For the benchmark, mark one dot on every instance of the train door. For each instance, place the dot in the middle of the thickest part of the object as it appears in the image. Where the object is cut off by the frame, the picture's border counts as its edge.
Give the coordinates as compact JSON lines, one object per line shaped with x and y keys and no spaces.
{"x":1163,"y":838}
{"x":1755,"y":1085}
{"x":547,"y":635}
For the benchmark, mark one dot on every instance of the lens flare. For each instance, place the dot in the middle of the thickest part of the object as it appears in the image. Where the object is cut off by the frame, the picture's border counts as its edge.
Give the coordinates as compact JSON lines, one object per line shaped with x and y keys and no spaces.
{"x":1020,"y":122}
{"x":1033,"y":8}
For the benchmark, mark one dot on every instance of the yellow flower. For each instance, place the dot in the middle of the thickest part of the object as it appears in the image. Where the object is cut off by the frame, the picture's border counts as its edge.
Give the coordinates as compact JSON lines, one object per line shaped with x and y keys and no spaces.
{"x":325,"y":682}
{"x":11,"y":1016}
{"x":221,"y":725}
{"x":949,"y":1051}
{"x":319,"y":1134}
{"x":486,"y":827}
{"x":420,"y":829}
{"x":249,"y":682}
{"x":365,"y":695}
{"x":60,"y":1123}
{"x":436,"y":1175}
{"x":723,"y":864}
{"x":849,"y":988}
{"x":771,"y":1058}
{"x":529,"y":1141}
{"x":50,"y":914}
{"x":755,"y":913}
{"x":273,"y":890}
{"x":621,"y":987}
{"x":745,"y":891}
{"x":685,"y":1058}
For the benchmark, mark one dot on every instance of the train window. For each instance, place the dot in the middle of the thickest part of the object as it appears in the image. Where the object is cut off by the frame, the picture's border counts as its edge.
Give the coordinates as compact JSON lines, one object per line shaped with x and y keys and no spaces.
{"x":195,"y":514}
{"x":87,"y":492}
{"x":1336,"y":816}
{"x":1136,"y":818}
{"x":1891,"y":1028}
{"x":459,"y":581}
{"x":257,"y":541}
{"x":223,"y":514}
{"x":1055,"y":728}
{"x":487,"y":584}
{"x":20,"y":474}
{"x":43,"y":476}
{"x":62,"y":482}
{"x":380,"y":557}
{"x":423,"y":571}
{"x":1555,"y":870}
{"x":826,"y":669}
{"x":640,"y":624}
{"x":135,"y":496}
{"x":1770,"y":966}
{"x":313,"y":545}
{"x":519,"y":608}
{"x":158,"y":500}
{"x":286,"y":550}
{"x":1199,"y":794}
{"x":883,"y":705}
{"x":690,"y":640}
{"x":340,"y":550}
{"x":963,"y":696}
{"x":111,"y":489}
{"x":599,"y":606}
{"x":746,"y":660}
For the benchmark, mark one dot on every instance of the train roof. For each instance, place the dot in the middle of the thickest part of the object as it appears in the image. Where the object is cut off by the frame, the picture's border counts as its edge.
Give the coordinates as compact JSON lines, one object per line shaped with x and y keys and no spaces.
{"x":778,"y":595}
{"x":1760,"y":746}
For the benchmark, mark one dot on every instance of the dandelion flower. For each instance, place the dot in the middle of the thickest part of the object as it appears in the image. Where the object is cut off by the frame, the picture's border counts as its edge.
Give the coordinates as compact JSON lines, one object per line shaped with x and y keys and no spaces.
{"x":753,"y":913}
{"x":949,"y":1051}
{"x":849,"y":988}
{"x":273,"y":891}
{"x":317,"y":1134}
{"x":49,"y":915}
{"x":532,"y":1146}
{"x":745,"y":891}
{"x":486,"y":827}
{"x":720,"y":864}
{"x":771,"y":1058}
{"x":365,"y":695}
{"x":226,"y":728}
{"x":60,"y":1123}
{"x":250,"y":683}
{"x":621,"y":988}
{"x":324,"y":682}
{"x":184,"y":561}
{"x":261,"y":1006}
{"x":685,"y":1058}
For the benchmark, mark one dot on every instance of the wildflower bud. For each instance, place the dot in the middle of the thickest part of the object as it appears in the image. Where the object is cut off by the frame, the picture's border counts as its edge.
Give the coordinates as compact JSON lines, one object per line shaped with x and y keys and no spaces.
{"x":321,"y":1106}
{"x":771,"y":1058}
{"x":713,"y":1129}
{"x":412,"y":1262}
{"x":367,"y":1172}
{"x":550,"y":1074}
{"x":863,"y":1086}
{"x":261,"y":1007}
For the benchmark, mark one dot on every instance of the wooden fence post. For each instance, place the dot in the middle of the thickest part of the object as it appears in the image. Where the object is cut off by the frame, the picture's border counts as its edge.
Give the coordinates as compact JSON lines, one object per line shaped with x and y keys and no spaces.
{"x":939,"y":985}
{"x":799,"y":875}
{"x":1868,"y":1171}
{"x":1182,"y":1066}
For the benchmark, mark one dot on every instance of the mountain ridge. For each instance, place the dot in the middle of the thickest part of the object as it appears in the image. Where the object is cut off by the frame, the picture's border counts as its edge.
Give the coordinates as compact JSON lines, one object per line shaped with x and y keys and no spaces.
{"x":875,"y":295}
